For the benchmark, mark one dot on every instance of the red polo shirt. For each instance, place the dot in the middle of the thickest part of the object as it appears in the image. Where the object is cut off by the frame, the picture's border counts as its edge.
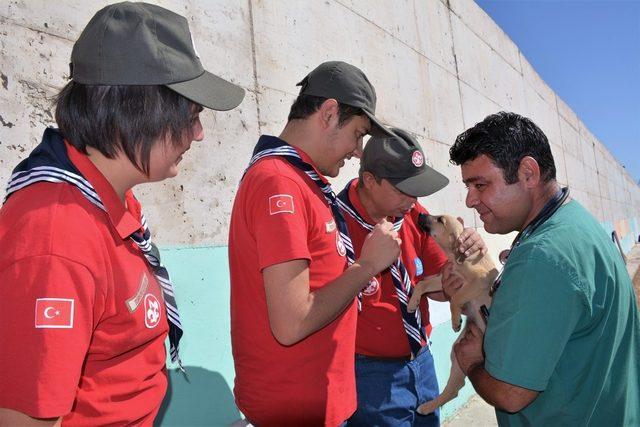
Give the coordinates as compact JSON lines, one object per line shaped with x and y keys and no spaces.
{"x":381,"y":332}
{"x":280,"y":215}
{"x":82,"y":320}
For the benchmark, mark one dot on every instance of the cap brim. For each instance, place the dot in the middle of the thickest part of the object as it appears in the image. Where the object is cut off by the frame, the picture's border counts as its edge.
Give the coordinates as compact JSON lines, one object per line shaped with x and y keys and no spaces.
{"x":377,"y":127}
{"x":423,"y":184}
{"x":210,"y":91}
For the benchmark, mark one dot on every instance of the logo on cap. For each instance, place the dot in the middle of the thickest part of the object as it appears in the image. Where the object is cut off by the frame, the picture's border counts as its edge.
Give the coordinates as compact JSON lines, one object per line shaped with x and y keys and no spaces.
{"x":417,"y":159}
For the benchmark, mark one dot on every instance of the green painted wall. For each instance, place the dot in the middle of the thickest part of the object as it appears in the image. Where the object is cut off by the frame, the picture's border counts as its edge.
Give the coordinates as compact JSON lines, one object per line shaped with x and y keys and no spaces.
{"x":204,"y":396}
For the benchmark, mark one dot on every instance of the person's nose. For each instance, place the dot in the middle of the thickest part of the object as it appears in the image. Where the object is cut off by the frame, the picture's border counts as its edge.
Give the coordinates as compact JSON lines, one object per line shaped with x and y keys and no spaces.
{"x":357,"y":153}
{"x":471,"y":199}
{"x":197,"y":130}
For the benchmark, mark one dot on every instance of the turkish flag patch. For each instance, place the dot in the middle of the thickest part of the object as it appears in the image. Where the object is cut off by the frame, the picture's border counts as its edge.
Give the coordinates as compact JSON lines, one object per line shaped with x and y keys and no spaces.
{"x":280,"y":203}
{"x":54,"y":313}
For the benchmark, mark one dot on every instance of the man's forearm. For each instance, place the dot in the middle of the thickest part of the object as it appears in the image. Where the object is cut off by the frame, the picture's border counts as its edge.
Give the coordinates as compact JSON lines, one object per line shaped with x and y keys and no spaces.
{"x":326,"y":303}
{"x":294,"y":311}
{"x":502,"y":395}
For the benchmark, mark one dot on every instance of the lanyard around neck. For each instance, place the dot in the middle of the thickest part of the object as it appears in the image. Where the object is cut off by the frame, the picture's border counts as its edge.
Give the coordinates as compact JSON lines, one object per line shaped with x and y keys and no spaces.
{"x":547,"y":212}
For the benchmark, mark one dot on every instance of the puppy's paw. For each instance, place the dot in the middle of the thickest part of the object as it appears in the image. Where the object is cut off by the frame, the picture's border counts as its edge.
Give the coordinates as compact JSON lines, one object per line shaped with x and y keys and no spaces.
{"x":456,"y":323}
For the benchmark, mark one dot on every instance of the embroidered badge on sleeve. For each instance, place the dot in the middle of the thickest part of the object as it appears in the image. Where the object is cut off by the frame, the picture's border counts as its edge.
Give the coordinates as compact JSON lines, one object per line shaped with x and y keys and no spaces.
{"x":280,"y":203}
{"x":54,"y":313}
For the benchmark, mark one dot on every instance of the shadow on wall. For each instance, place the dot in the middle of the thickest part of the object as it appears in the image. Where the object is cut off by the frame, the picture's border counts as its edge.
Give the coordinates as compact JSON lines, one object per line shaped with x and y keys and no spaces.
{"x":202,"y":398}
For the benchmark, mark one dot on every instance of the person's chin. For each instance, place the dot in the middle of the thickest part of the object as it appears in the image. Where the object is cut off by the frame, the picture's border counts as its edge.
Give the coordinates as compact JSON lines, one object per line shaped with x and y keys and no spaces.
{"x":331,"y":173}
{"x":493,"y":228}
{"x":488,"y":226}
{"x":172,"y":172}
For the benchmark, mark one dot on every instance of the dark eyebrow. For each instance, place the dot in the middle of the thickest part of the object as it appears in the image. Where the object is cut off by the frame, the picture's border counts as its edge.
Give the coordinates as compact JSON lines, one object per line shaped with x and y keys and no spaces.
{"x":472,"y":179}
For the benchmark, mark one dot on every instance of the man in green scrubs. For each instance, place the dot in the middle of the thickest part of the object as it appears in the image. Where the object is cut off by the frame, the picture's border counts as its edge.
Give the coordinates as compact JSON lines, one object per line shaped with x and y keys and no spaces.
{"x":562,"y":344}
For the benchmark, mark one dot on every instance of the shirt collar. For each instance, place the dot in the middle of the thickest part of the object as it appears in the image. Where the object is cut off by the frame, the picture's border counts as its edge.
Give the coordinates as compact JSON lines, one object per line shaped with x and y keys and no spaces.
{"x":304,"y":156}
{"x":125,"y":221}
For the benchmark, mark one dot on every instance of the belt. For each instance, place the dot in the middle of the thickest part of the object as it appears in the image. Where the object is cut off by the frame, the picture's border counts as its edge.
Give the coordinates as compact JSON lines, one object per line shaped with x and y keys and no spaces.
{"x":406,"y":358}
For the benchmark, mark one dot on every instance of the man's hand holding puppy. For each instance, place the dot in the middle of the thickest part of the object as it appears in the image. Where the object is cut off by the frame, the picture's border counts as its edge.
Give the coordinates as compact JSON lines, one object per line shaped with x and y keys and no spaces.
{"x":470,"y":242}
{"x":469,"y":349}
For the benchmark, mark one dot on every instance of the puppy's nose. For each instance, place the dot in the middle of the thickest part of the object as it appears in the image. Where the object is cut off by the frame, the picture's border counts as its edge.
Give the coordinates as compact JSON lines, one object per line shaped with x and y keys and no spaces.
{"x":424,"y":222}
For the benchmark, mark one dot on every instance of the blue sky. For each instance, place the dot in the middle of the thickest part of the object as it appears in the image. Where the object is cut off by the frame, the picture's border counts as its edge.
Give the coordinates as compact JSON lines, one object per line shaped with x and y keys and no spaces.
{"x":588,"y":52}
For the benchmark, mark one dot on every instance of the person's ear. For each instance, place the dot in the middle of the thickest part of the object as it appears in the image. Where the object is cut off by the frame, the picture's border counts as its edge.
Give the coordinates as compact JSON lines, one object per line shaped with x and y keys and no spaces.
{"x":368,"y":180}
{"x":328,"y":113}
{"x":529,"y":172}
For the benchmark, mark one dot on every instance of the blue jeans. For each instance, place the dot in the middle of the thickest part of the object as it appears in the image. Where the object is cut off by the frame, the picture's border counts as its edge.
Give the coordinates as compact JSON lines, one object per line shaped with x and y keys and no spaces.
{"x":389,"y":392}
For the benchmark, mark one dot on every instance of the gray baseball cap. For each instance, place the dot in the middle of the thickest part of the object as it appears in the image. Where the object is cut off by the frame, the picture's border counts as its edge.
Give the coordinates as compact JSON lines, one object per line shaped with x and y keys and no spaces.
{"x":143,"y":44}
{"x":400,"y":160}
{"x":346,"y":84}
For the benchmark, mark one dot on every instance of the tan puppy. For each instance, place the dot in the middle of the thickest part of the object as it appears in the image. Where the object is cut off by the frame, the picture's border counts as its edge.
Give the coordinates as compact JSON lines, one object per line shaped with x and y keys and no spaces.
{"x":478,"y":272}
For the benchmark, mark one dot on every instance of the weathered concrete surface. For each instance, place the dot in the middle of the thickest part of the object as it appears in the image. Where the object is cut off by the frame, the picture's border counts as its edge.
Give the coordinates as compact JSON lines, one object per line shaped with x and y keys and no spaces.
{"x":438,"y":66}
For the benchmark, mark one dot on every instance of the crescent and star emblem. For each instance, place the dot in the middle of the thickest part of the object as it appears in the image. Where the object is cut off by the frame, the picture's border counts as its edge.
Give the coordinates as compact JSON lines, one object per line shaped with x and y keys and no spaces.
{"x":47,"y":312}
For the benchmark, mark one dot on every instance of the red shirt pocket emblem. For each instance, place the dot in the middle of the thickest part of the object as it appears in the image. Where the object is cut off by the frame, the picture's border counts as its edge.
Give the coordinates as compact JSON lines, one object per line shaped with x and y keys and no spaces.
{"x":54,"y":313}
{"x":280,"y":203}
{"x":372,"y":287}
{"x":151,"y":311}
{"x":341,"y":248}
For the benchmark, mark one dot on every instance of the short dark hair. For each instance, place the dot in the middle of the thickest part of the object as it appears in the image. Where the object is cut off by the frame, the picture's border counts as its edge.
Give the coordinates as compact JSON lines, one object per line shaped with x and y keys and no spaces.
{"x":130,"y":119}
{"x":505,"y":138}
{"x":306,"y":105}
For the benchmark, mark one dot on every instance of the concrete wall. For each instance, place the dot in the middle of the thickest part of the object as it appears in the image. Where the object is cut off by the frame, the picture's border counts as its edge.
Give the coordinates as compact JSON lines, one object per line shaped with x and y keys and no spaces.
{"x":438,"y":67}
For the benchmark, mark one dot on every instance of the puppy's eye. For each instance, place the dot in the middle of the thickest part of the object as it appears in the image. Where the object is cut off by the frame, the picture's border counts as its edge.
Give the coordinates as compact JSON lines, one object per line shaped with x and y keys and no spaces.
{"x":440,"y":220}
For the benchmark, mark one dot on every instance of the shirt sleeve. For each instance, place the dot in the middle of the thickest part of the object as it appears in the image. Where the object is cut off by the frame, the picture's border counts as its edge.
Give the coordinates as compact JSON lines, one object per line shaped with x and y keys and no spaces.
{"x":533,"y":315}
{"x":46,"y":319}
{"x":279,"y":221}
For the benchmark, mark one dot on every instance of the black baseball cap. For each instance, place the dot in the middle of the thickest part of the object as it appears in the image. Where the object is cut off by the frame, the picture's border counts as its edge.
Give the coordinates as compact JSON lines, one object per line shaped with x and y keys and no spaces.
{"x":346,"y":84}
{"x":143,"y":44}
{"x":400,"y":160}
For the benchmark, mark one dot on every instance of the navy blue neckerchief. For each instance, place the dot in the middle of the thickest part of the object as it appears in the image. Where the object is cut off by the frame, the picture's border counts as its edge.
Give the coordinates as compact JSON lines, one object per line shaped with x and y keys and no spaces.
{"x":50,"y":162}
{"x":401,"y":280}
